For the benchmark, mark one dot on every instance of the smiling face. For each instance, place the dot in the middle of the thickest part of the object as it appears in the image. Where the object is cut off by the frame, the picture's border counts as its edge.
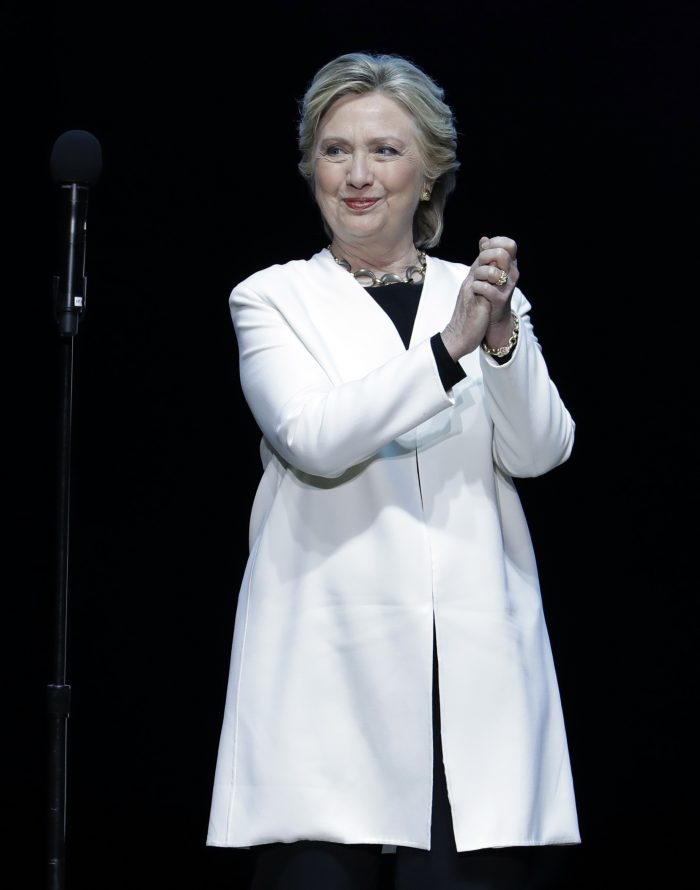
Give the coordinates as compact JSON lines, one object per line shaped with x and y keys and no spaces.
{"x":369,"y":172}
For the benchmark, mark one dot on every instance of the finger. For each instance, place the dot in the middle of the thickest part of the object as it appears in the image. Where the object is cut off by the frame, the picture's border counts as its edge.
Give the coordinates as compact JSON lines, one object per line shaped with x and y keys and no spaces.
{"x":499,"y":241}
{"x":496,"y":256}
{"x":493,"y":274}
{"x":498,"y":302}
{"x":490,"y":292}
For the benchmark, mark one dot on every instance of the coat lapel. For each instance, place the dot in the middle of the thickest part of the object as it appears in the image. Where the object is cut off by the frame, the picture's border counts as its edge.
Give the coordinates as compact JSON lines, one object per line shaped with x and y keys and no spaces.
{"x":355,"y":335}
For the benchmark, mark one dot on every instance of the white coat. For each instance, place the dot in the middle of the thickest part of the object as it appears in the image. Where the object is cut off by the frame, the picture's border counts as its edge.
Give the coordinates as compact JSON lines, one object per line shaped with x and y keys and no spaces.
{"x":387,"y":503}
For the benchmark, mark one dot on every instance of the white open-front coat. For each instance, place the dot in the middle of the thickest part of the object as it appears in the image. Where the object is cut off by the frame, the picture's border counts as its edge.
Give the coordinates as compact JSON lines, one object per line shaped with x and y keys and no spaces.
{"x":387,"y":503}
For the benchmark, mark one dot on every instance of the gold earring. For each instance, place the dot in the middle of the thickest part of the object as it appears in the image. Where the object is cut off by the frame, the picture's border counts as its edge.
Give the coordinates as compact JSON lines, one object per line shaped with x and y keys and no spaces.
{"x":425,"y":195}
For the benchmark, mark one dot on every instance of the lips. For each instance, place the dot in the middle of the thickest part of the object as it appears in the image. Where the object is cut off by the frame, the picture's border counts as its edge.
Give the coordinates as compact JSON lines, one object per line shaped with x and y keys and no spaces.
{"x":360,"y":203}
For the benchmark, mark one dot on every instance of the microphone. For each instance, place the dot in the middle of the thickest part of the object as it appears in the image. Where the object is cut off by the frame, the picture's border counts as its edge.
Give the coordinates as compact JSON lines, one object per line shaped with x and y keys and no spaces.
{"x":75,"y":164}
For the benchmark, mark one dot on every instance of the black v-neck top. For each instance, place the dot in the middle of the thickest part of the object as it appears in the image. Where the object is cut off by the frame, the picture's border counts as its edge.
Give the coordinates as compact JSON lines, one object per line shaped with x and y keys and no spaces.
{"x":400,"y":302}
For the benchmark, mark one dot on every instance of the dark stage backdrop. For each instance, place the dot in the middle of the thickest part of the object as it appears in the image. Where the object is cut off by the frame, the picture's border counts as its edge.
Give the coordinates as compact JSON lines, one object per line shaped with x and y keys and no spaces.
{"x":578,"y":127}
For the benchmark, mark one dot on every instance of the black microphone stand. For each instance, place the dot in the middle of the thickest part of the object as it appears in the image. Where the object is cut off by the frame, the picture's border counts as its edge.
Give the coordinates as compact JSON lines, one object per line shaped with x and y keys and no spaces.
{"x":69,"y":304}
{"x":75,"y":163}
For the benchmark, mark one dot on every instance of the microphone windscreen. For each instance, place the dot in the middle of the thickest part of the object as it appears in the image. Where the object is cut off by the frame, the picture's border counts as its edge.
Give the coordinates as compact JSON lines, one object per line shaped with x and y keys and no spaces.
{"x":76,"y":157}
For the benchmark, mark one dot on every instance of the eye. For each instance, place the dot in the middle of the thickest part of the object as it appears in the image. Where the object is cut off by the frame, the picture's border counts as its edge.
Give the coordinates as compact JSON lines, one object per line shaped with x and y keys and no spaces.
{"x":386,"y":151}
{"x":333,"y":152}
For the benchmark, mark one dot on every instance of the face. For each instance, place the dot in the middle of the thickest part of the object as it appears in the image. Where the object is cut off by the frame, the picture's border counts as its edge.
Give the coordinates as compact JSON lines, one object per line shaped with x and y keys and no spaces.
{"x":369,"y":172}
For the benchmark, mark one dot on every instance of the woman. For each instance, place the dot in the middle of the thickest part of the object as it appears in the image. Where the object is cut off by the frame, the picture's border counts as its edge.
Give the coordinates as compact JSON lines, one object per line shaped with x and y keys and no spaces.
{"x":397,"y":395}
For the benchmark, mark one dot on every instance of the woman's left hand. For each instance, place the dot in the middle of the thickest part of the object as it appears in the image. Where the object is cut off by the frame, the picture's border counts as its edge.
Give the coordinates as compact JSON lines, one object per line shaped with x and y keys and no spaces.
{"x":495,"y":272}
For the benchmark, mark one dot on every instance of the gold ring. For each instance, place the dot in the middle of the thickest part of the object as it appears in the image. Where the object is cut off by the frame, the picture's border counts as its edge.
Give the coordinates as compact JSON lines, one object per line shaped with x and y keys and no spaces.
{"x":502,"y":278}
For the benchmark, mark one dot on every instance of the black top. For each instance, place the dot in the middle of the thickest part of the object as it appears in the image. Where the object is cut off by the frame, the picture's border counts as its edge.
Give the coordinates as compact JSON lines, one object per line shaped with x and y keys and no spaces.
{"x":400,"y":302}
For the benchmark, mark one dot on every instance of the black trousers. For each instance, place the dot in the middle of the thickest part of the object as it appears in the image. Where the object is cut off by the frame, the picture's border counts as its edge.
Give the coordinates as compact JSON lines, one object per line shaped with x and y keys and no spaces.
{"x":319,"y":865}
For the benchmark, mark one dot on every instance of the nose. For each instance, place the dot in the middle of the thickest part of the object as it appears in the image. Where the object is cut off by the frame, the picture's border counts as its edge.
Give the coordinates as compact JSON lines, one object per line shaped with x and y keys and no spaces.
{"x":360,"y":172}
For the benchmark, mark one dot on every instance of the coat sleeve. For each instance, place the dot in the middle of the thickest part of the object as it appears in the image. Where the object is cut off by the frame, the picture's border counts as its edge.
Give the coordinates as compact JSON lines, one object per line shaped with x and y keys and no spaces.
{"x":533,"y":431}
{"x":317,"y":425}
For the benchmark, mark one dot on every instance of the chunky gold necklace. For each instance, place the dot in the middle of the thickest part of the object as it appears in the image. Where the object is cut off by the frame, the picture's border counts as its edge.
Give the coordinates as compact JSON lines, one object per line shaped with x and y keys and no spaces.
{"x":367,"y":278}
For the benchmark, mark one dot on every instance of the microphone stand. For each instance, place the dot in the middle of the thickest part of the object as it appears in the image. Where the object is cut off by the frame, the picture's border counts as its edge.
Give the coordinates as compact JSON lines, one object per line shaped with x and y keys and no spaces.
{"x":69,"y":303}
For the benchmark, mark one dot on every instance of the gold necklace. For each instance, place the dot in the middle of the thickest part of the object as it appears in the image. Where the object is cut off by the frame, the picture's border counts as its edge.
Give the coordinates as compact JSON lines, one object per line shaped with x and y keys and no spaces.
{"x":367,"y":278}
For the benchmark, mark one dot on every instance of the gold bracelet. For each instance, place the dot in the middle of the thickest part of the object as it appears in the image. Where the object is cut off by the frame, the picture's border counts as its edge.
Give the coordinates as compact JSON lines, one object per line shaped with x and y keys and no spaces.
{"x":503,"y":351}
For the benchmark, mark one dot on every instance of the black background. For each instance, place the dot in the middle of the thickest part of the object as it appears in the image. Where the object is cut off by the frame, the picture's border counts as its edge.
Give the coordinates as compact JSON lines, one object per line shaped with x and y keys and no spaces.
{"x":578,"y":137}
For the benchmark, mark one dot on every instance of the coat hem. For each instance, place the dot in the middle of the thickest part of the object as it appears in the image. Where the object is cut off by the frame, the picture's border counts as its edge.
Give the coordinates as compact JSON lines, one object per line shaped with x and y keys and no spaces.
{"x":390,"y":846}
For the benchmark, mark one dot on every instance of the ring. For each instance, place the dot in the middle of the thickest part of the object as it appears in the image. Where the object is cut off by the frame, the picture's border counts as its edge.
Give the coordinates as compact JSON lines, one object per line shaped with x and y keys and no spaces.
{"x":502,"y":278}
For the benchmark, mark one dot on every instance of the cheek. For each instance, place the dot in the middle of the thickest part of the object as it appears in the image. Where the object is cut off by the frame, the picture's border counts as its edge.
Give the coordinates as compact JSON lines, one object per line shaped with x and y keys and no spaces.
{"x":407,"y":183}
{"x":325,"y":181}
{"x":323,"y":197}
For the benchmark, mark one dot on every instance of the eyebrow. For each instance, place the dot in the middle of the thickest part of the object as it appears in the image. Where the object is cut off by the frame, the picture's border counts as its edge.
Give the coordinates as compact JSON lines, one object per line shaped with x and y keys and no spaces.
{"x":379,"y":140}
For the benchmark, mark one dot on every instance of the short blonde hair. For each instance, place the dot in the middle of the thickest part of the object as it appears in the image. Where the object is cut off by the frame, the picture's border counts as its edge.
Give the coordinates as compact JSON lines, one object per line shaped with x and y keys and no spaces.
{"x":420,"y":95}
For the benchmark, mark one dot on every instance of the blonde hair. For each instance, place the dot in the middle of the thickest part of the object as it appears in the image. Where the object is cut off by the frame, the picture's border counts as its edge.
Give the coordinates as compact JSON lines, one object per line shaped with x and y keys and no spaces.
{"x":420,"y":95}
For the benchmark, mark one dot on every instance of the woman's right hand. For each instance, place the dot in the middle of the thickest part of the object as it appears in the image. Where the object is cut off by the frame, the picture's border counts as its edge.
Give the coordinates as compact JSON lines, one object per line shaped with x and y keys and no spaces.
{"x":482,"y":310}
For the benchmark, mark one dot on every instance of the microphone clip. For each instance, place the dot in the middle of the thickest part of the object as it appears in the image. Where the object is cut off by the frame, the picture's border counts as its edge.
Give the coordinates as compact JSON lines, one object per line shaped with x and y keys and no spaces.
{"x":70,"y":288}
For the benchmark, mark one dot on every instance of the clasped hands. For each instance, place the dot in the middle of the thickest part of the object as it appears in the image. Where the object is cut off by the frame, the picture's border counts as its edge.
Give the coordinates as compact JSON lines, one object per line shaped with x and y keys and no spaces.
{"x":482,"y":311}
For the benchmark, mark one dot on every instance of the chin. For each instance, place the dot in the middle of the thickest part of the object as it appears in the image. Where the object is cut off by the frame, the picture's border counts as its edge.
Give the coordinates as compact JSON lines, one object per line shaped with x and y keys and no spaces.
{"x":362,"y":229}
